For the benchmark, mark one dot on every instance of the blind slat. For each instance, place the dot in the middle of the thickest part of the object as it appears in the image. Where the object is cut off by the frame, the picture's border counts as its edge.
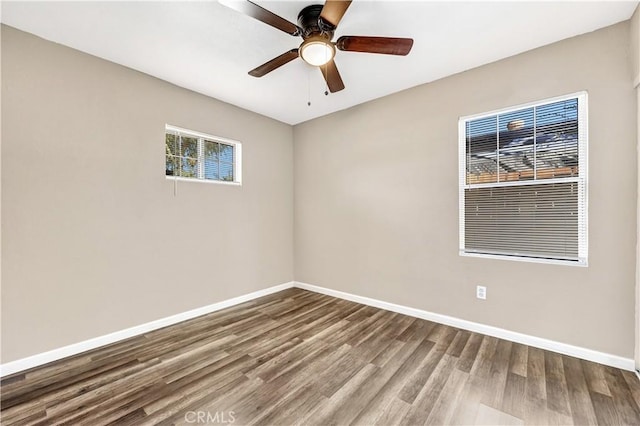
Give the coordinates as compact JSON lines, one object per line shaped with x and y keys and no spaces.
{"x":534,"y":219}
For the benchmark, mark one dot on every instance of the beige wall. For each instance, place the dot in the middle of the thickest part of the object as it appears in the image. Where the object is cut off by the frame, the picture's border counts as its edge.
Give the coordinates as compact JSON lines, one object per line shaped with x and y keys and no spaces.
{"x":635,"y":70}
{"x":94,"y":240}
{"x":0,"y":189}
{"x":635,"y":45}
{"x":376,"y":199}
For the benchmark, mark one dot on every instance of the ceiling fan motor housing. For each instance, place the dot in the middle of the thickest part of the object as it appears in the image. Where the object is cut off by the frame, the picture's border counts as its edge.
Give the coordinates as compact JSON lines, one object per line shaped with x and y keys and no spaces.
{"x":312,"y":25}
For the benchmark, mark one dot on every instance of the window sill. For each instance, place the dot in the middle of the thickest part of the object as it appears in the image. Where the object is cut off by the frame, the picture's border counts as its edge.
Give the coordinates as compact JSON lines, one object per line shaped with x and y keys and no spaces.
{"x":218,"y":182}
{"x":581,"y":263}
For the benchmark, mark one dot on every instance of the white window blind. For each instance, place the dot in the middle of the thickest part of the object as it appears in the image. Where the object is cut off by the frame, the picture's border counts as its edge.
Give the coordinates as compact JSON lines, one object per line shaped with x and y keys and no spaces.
{"x":194,"y":155}
{"x":523,"y":177}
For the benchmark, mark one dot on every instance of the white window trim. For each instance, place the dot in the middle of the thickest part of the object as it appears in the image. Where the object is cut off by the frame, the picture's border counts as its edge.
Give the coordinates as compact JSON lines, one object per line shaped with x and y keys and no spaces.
{"x":237,"y":157}
{"x":583,"y":162}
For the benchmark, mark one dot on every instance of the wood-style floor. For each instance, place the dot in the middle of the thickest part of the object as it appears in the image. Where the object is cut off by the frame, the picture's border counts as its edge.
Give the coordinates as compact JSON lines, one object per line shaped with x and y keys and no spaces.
{"x":297,"y":357}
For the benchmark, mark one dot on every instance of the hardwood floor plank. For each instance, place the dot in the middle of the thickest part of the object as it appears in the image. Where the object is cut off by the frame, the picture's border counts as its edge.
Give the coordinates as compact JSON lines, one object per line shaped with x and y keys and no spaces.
{"x":35,"y":387}
{"x":482,"y":363}
{"x":221,"y":372}
{"x":442,"y":337}
{"x":555,"y":418}
{"x":340,"y":402}
{"x":6,"y":381}
{"x":469,"y":353}
{"x":519,"y":358}
{"x":497,"y":380}
{"x":417,"y":351}
{"x":374,"y":324}
{"x":579,"y":399}
{"x":468,"y":403}
{"x":536,"y":388}
{"x":288,"y":360}
{"x":556,"y":385}
{"x":514,"y":394}
{"x":625,"y":405}
{"x":25,"y":418}
{"x":362,"y":313}
{"x":222,"y":404}
{"x":284,"y":329}
{"x":350,"y":409}
{"x":605,"y":409}
{"x":449,"y":398}
{"x":634,"y":385}
{"x":387,"y":353}
{"x":345,"y":368}
{"x":44,"y":399}
{"x":390,"y":414}
{"x":369,"y":348}
{"x":458,"y":343}
{"x":289,"y":384}
{"x":479,"y":374}
{"x":418,"y":330}
{"x":236,"y":384}
{"x":291,"y":408}
{"x":426,"y":399}
{"x":594,"y":374}
{"x":196,"y":365}
{"x":490,"y":416}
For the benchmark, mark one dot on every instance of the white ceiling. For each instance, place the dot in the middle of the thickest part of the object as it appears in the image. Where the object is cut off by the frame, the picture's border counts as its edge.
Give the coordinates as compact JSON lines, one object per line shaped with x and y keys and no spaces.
{"x":209,"y":48}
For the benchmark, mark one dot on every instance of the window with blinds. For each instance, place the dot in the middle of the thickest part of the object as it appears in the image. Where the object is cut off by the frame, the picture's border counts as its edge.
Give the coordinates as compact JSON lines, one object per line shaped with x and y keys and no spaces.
{"x":194,"y":155}
{"x":523,"y":182}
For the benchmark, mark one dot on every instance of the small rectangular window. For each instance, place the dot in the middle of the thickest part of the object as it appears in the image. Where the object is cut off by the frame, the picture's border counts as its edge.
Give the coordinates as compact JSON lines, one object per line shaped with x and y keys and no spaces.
{"x":197,"y":156}
{"x":523,"y":182}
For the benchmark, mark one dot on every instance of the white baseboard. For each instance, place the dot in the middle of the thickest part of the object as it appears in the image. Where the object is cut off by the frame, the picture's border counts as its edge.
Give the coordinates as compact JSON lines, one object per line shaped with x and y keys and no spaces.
{"x":76,"y":348}
{"x":537,"y":342}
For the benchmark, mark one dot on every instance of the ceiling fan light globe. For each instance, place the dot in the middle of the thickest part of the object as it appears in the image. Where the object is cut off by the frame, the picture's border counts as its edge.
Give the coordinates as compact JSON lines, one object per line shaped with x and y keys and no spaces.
{"x":317,"y":52}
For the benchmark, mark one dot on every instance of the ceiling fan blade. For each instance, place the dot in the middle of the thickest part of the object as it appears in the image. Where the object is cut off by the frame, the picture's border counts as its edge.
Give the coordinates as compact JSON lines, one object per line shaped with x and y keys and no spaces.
{"x":384,"y":45}
{"x":276,"y":62}
{"x":262,"y":14}
{"x":332,"y":76}
{"x":334,"y":10}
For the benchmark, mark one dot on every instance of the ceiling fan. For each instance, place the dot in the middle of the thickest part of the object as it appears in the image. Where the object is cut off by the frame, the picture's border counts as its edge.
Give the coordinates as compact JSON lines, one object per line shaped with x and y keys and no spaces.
{"x":316,"y":26}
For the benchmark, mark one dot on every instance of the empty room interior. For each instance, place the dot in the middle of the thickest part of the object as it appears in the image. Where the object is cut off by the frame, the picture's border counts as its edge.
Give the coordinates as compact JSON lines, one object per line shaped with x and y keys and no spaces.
{"x":369,"y":213}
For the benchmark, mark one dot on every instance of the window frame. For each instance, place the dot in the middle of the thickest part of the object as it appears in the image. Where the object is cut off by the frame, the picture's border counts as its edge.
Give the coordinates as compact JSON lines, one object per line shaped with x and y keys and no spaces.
{"x":202,"y":137}
{"x":581,"y":180}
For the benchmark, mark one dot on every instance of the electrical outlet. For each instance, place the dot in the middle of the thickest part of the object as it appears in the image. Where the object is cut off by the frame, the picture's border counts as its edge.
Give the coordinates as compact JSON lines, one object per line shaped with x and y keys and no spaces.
{"x":481,"y":292}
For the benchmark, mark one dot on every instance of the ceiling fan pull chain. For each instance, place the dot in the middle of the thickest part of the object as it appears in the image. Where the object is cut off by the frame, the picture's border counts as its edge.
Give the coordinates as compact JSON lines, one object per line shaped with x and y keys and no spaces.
{"x":326,"y":84}
{"x":309,"y":88}
{"x":326,"y":69}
